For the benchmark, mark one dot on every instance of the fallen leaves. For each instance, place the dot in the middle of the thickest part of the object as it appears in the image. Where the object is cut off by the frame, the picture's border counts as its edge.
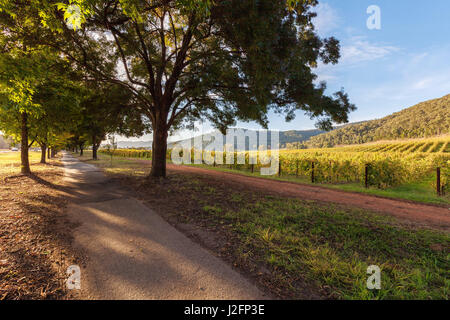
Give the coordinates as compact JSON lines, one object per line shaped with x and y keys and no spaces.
{"x":34,"y":252}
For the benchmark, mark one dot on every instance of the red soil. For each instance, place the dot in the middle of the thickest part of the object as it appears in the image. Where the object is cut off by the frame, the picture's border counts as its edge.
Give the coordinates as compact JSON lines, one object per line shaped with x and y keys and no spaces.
{"x":415,"y":213}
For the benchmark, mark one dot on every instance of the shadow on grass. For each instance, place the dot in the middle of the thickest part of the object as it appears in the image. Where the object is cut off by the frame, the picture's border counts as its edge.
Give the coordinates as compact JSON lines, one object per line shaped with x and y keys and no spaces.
{"x":36,"y":237}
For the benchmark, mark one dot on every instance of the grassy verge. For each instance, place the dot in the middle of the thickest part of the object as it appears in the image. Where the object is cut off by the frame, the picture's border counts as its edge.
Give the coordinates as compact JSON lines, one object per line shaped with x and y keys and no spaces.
{"x":117,"y":165}
{"x":333,"y":248}
{"x":422,"y":191}
{"x":294,"y":248}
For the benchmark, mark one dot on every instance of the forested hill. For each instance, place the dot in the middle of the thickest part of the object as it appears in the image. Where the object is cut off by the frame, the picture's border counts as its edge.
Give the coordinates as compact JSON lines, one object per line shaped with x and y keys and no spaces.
{"x":426,"y":119}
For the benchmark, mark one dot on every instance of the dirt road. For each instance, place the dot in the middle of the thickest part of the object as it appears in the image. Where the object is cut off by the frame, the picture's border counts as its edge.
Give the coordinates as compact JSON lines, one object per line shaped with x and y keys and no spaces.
{"x":415,"y":213}
{"x":132,"y":253}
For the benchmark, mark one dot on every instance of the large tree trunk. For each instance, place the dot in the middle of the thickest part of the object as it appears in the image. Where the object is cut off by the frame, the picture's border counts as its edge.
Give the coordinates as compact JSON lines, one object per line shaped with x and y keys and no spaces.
{"x":25,"y":165}
{"x":43,"y":152}
{"x":94,"y":147}
{"x":159,"y":152}
{"x":81,"y":150}
{"x":49,"y":155}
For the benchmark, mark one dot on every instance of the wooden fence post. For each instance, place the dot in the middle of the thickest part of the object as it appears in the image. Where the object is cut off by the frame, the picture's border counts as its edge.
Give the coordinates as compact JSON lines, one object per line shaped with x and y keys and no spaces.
{"x":366,"y":176}
{"x":312,"y":171}
{"x":253,"y":168}
{"x":438,"y":181}
{"x":279,"y":168}
{"x":296,"y":170}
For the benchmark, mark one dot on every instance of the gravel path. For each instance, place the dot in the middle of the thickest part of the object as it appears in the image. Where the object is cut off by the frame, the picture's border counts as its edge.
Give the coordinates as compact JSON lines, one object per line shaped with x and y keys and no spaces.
{"x":132,"y":253}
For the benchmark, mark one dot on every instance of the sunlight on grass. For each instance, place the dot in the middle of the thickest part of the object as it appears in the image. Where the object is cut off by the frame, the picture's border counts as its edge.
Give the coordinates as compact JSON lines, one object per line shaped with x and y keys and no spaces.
{"x":333,"y":247}
{"x":117,"y":165}
{"x":10,"y":161}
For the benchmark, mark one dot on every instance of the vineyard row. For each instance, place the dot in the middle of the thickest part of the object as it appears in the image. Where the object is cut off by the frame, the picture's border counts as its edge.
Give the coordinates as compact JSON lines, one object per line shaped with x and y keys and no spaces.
{"x":380,"y":169}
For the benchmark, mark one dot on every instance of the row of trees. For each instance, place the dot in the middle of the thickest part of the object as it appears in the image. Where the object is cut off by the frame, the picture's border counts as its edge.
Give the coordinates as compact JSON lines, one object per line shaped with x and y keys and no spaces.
{"x":46,"y":102}
{"x":76,"y":70}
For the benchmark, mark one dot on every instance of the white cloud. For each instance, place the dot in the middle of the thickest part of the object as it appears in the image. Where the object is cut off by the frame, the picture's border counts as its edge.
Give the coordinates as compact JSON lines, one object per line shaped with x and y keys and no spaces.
{"x":325,"y":77}
{"x":419,"y":58}
{"x":410,"y":79}
{"x":327,"y":19}
{"x":423,"y":84}
{"x":355,"y":52}
{"x":359,"y":49}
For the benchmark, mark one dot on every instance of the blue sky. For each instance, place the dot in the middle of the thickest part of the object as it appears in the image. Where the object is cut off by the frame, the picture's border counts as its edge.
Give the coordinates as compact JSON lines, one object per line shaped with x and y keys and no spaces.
{"x":383,"y":71}
{"x":387,"y":70}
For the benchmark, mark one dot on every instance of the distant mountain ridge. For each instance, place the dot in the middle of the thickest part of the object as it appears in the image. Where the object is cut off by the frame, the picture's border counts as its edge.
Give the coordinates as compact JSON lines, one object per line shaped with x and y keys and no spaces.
{"x":133,"y":144}
{"x":286,"y":137}
{"x":426,"y":119}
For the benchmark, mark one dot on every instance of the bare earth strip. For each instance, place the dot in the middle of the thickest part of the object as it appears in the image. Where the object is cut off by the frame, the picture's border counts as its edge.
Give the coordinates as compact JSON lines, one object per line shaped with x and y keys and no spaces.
{"x":132,"y":253}
{"x":418,"y":214}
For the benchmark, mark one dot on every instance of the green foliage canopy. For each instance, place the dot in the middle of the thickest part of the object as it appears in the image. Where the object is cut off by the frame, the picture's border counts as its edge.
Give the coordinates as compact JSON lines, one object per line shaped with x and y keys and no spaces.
{"x":185,"y":60}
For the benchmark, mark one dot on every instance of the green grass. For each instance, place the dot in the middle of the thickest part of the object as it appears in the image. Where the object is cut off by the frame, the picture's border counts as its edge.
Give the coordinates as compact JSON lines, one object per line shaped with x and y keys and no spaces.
{"x":423,"y":191}
{"x":117,"y":165}
{"x":332,"y":247}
